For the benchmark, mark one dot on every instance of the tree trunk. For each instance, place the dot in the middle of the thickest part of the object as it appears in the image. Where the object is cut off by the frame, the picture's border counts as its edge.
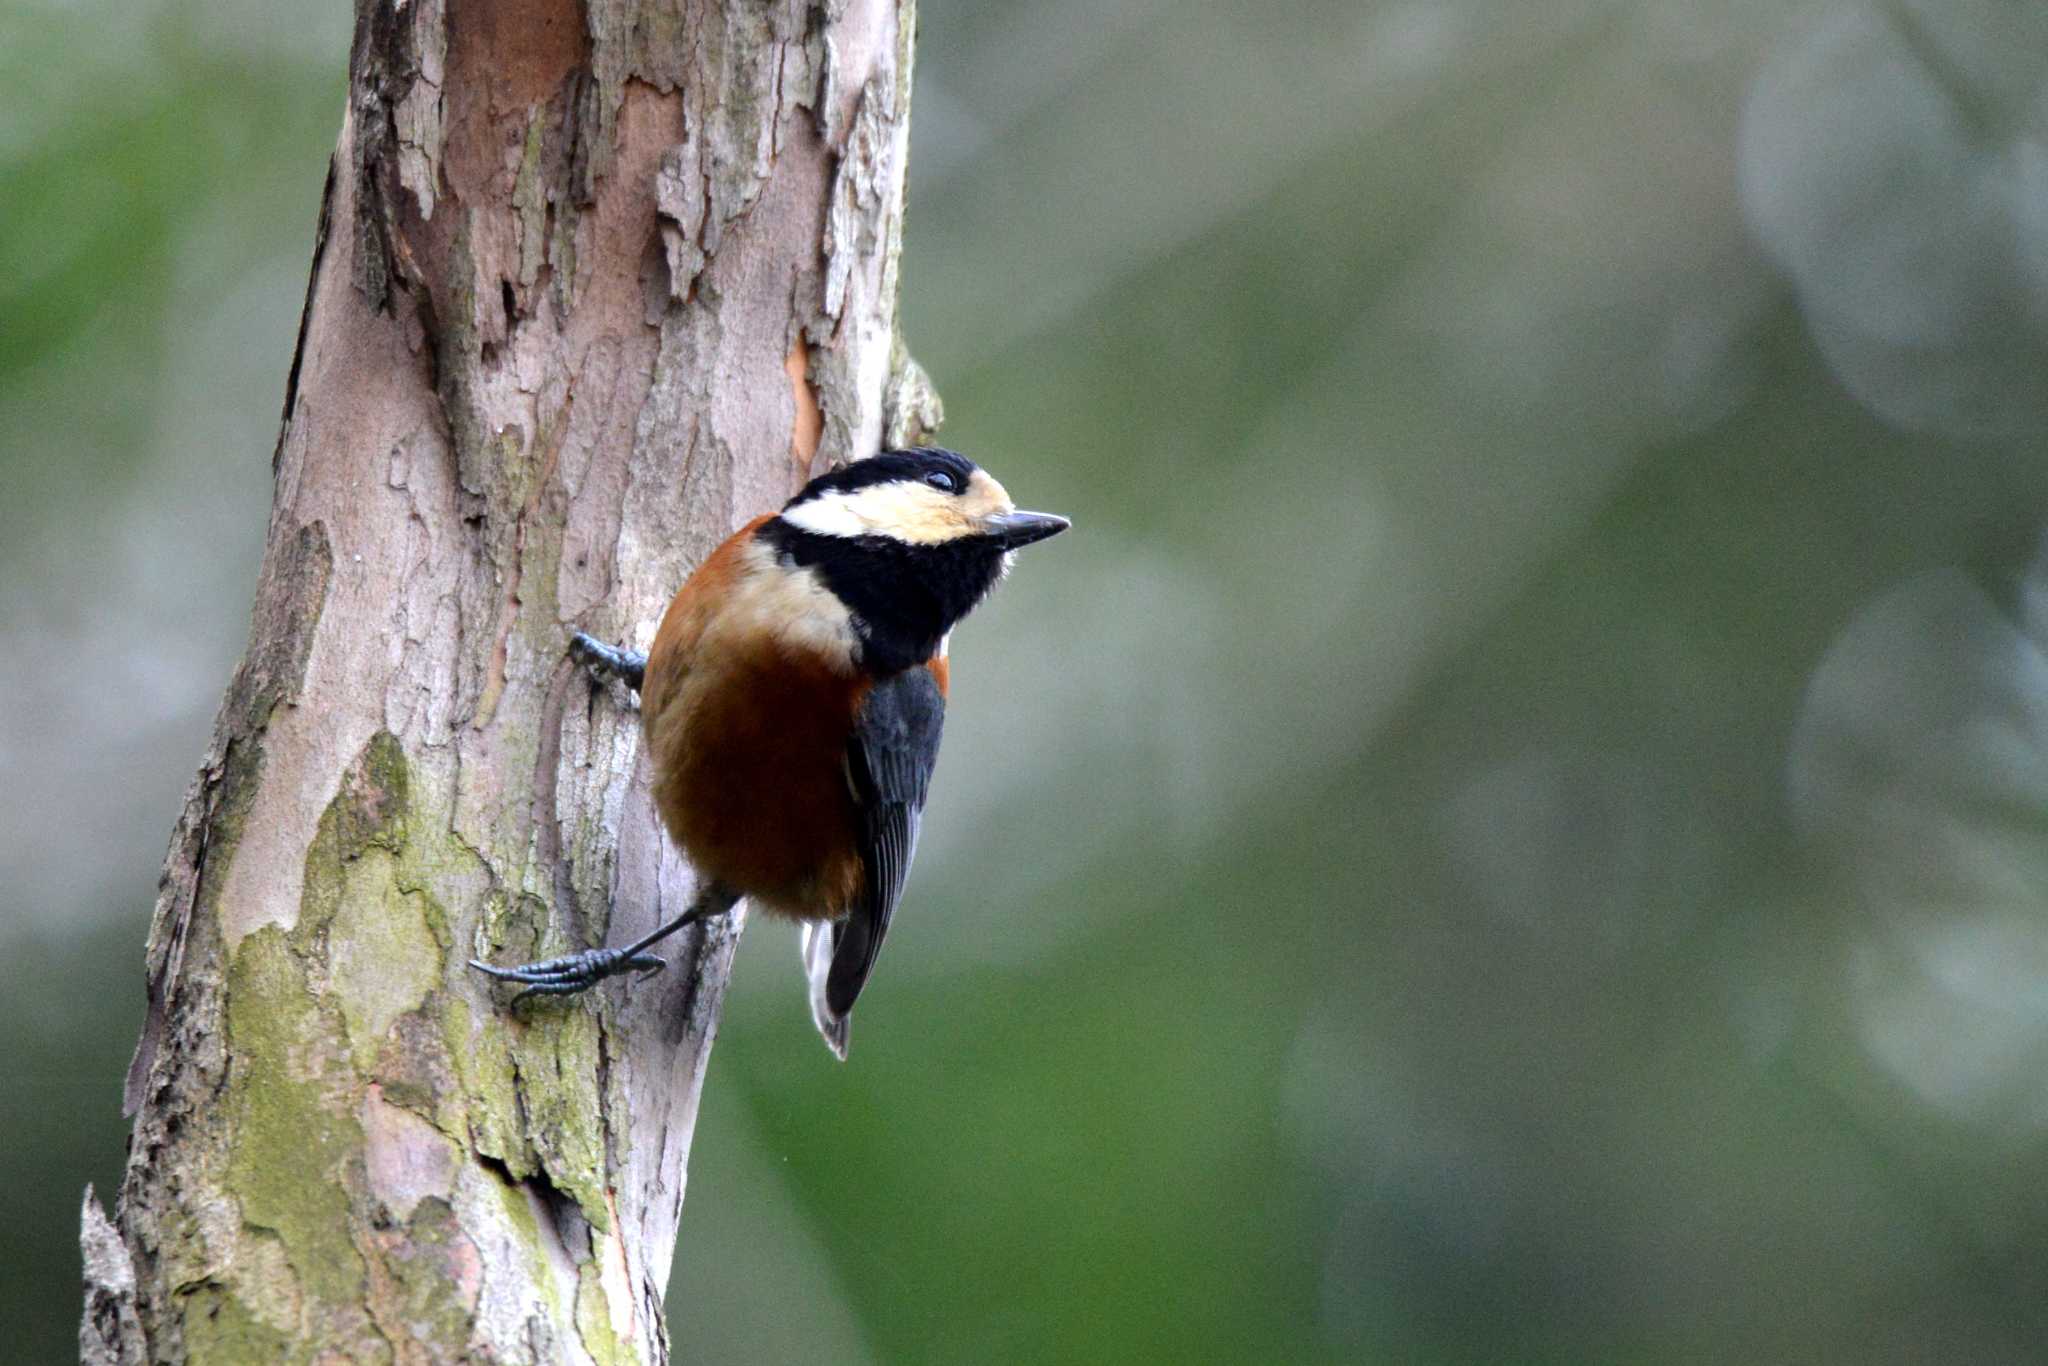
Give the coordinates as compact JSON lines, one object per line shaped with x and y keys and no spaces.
{"x":593,"y":284}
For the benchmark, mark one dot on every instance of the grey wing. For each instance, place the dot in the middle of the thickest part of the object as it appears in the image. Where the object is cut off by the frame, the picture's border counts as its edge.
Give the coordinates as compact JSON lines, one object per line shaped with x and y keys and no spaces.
{"x":894,"y":747}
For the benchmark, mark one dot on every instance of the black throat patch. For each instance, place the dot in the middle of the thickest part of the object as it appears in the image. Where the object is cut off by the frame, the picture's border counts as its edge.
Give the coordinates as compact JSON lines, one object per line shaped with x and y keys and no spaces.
{"x":904,"y":598}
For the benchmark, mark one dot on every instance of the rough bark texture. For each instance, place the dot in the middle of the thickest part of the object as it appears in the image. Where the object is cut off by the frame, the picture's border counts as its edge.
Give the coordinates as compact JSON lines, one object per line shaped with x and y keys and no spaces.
{"x":593,"y":284}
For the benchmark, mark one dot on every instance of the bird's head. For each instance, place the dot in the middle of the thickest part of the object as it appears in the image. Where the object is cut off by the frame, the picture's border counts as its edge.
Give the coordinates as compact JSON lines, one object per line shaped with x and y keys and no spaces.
{"x":909,"y":540}
{"x":921,"y":497}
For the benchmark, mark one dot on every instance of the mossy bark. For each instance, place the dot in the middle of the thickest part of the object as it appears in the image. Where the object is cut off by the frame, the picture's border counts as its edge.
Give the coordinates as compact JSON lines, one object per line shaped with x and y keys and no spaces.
{"x":594,"y":282}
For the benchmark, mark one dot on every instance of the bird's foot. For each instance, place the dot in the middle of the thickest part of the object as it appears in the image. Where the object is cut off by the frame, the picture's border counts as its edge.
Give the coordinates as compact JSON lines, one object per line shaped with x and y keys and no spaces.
{"x":607,"y":662}
{"x":573,"y":972}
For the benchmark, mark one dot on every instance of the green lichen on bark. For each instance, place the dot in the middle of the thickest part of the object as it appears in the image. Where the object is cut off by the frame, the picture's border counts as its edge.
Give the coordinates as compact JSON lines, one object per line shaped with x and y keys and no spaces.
{"x":294,"y":1170}
{"x":382,"y":958}
{"x":424,"y":1264}
{"x":593,"y":1318}
{"x":530,"y":1093}
{"x":365,"y":962}
{"x":219,"y":1331}
{"x":287,"y":1099}
{"x":479,"y":1045}
{"x":530,"y":199}
{"x":365,"y":888}
{"x":530,"y":1098}
{"x":556,"y":1057}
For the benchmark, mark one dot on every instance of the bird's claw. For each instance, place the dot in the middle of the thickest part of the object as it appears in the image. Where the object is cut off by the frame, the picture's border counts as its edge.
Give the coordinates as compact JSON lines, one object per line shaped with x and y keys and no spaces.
{"x":573,"y":972}
{"x":607,"y":662}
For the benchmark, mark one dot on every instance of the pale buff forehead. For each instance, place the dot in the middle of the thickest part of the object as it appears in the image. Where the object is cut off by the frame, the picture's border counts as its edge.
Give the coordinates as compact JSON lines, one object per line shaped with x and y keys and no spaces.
{"x":908,"y":510}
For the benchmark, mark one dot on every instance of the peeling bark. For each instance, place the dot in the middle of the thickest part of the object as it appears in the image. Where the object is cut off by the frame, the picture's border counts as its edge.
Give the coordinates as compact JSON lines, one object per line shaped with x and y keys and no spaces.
{"x":593,"y":283}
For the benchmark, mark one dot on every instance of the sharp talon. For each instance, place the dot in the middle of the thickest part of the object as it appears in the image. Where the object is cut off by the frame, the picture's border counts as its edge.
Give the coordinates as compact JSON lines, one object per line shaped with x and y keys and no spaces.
{"x":529,"y":972}
{"x":572,"y":972}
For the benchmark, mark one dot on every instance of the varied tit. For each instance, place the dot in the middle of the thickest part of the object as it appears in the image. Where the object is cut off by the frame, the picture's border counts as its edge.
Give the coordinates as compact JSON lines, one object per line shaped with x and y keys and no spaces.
{"x":792,"y":705}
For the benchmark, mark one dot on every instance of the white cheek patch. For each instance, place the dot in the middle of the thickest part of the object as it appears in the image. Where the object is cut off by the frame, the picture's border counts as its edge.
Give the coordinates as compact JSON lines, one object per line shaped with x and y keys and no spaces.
{"x":909,"y":511}
{"x":831,"y":515}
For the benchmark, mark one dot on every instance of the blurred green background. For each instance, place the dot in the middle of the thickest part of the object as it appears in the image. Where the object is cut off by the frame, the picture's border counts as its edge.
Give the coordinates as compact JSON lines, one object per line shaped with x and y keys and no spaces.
{"x":1515,"y":830}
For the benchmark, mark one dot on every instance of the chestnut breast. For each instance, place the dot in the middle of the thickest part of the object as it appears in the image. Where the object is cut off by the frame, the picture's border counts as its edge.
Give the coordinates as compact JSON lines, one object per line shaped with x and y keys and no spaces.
{"x":749,"y":702}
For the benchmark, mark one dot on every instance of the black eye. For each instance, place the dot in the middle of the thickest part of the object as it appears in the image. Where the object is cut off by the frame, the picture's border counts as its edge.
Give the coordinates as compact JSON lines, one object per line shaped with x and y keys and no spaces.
{"x":943,"y":481}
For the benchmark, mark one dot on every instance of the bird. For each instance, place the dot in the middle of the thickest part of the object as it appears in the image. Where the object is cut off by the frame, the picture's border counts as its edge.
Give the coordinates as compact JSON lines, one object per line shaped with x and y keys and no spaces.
{"x":792,"y":705}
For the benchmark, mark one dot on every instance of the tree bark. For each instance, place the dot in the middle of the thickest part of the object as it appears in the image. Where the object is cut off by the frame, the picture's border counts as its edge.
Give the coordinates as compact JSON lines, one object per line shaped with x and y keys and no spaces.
{"x":593,"y":283}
